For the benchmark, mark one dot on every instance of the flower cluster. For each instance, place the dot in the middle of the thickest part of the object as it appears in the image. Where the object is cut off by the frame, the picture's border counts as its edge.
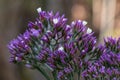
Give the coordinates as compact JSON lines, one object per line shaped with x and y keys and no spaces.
{"x":51,"y":45}
{"x":107,"y":63}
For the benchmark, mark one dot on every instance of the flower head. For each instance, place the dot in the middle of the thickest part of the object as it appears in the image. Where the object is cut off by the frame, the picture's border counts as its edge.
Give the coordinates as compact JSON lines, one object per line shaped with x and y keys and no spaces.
{"x":64,"y":49}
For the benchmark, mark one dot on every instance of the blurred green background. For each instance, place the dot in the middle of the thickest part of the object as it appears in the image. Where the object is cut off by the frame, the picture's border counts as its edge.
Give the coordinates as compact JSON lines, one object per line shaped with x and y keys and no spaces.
{"x":103,"y":17}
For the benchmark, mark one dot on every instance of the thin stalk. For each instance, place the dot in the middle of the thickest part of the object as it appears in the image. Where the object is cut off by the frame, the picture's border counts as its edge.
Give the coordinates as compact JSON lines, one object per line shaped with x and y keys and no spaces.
{"x":71,"y":76}
{"x":54,"y":75}
{"x":79,"y":75}
{"x":43,"y":73}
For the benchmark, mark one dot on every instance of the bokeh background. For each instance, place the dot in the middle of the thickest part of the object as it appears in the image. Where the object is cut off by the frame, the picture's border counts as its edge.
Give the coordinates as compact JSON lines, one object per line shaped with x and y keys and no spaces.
{"x":103,"y":17}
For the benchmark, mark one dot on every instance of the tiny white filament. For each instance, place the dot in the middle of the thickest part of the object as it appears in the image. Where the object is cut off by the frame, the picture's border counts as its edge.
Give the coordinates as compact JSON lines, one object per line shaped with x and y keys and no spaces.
{"x":55,"y":21}
{"x":16,"y":58}
{"x":84,"y":23}
{"x":83,"y":50}
{"x":79,"y":21}
{"x":73,"y":23}
{"x":39,"y":10}
{"x":68,"y":26}
{"x":61,"y":48}
{"x":89,"y":30}
{"x":48,"y":31}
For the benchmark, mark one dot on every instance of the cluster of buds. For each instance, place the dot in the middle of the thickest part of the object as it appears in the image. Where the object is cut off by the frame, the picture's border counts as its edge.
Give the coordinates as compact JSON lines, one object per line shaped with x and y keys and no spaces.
{"x":107,"y":62}
{"x":50,"y":45}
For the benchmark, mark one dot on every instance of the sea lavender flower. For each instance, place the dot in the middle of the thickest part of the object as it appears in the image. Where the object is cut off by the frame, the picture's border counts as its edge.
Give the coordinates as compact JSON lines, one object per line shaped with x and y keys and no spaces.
{"x":111,"y":53}
{"x":19,"y":47}
{"x":65,"y":50}
{"x":107,"y":61}
{"x":95,"y":71}
{"x":112,"y":44}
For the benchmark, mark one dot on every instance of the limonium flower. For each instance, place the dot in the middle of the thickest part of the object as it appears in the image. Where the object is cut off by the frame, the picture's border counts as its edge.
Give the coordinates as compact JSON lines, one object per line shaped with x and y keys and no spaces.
{"x":65,"y":52}
{"x":106,"y":65}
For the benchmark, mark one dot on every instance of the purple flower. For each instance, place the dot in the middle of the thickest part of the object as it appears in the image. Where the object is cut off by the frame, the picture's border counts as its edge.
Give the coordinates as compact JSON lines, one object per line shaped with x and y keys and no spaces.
{"x":68,"y":70}
{"x":102,"y":69}
{"x":84,"y":74}
{"x":60,"y":75}
{"x":43,"y":55}
{"x":49,"y":42}
{"x":35,"y":32}
{"x":112,"y":44}
{"x":19,"y":47}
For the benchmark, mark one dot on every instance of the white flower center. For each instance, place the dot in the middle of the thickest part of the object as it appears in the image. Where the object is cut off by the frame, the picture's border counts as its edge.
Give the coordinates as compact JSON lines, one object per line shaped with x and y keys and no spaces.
{"x":89,"y":30}
{"x":61,"y":48}
{"x":79,"y":20}
{"x":64,"y":19}
{"x":84,"y":23}
{"x":48,"y":31}
{"x":55,"y":21}
{"x":83,"y":50}
{"x":16,"y":58}
{"x":73,"y":23}
{"x":68,"y":26}
{"x":39,"y":10}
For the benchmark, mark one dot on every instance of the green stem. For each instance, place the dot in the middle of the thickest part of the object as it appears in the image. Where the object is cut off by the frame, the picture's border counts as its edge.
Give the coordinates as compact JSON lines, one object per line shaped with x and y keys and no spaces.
{"x":41,"y":70}
{"x":54,"y":75}
{"x":71,"y":76}
{"x":78,"y":75}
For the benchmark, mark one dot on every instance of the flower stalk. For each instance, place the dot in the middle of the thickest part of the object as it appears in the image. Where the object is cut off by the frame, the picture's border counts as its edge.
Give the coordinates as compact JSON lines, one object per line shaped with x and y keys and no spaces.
{"x":42,"y":71}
